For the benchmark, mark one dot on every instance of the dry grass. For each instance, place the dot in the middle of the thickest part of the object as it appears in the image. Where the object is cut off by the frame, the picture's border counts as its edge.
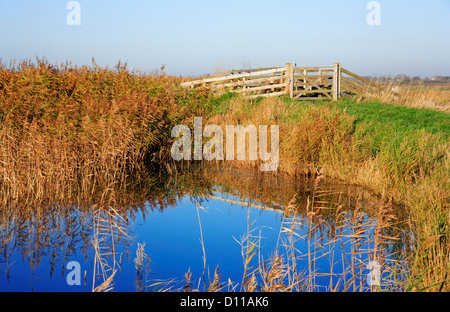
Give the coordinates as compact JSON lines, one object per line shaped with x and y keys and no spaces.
{"x":109,"y":227}
{"x":419,"y":95}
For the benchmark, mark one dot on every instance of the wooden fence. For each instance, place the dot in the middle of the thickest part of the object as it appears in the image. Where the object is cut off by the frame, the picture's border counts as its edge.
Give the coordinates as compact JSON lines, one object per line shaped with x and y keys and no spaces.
{"x":303,"y":83}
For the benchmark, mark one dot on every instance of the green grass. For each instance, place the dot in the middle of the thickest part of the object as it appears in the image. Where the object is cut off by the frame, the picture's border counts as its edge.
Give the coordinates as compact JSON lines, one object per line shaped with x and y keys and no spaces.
{"x":219,"y":104}
{"x":399,"y":118}
{"x":379,"y":126}
{"x":392,"y":117}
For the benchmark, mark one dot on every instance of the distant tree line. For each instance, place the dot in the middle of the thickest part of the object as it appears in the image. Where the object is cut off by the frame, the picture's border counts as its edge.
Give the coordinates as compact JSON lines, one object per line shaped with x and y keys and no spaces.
{"x":405,"y":79}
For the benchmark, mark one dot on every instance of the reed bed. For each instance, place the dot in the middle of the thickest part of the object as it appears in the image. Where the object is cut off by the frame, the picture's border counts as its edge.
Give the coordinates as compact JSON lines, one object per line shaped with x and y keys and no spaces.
{"x":67,"y":132}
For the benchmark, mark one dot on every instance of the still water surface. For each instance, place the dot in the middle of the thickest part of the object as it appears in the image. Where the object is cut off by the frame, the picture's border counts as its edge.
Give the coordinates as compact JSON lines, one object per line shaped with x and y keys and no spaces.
{"x":196,"y":223}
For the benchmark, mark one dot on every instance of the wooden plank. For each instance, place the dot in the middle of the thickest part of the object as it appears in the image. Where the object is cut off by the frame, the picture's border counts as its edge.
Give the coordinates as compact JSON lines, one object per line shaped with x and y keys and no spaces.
{"x":369,"y":83}
{"x":362,"y":79}
{"x":356,"y":85}
{"x":289,"y":80}
{"x":300,"y":92}
{"x":274,"y":86}
{"x":249,"y":70}
{"x":339,"y":79}
{"x":354,"y":82}
{"x":208,"y":80}
{"x":223,"y":73}
{"x":322,"y":84}
{"x":312,"y":99}
{"x":347,"y":87}
{"x":314,"y":76}
{"x":359,"y":88}
{"x":312,"y":73}
{"x":300,"y":69}
{"x":267,"y":94}
{"x":256,"y":78}
{"x":240,"y":83}
{"x":336,"y":86}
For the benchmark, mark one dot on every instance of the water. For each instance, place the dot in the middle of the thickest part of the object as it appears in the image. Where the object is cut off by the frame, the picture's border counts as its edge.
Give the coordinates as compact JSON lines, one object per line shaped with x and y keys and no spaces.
{"x":201,"y":221}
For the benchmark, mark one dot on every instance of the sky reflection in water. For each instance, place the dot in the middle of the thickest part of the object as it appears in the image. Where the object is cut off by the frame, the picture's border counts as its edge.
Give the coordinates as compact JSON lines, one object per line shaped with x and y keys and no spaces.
{"x":172,"y":239}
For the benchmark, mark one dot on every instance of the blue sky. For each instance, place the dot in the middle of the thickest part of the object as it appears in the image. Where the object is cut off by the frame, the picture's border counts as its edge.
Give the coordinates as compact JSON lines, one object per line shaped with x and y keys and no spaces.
{"x":199,"y":37}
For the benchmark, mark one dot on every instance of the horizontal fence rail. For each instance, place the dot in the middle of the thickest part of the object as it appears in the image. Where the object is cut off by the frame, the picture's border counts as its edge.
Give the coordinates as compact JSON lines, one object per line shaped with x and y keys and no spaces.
{"x":302,"y":83}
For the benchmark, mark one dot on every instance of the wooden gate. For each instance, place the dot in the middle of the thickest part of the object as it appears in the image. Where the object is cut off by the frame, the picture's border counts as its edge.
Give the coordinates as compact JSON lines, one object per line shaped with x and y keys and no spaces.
{"x":302,"y":83}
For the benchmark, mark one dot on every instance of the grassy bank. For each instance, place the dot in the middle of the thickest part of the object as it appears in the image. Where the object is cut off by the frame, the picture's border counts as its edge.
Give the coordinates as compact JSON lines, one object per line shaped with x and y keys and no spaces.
{"x":402,"y":153}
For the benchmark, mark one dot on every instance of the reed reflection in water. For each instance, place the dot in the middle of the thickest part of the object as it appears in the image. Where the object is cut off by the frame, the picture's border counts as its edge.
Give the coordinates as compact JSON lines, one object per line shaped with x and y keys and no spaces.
{"x":209,"y":230}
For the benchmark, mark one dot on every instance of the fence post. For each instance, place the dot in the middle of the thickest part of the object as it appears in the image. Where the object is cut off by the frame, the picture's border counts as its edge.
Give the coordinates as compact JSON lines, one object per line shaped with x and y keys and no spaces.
{"x":290,"y":80}
{"x":337,"y":81}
